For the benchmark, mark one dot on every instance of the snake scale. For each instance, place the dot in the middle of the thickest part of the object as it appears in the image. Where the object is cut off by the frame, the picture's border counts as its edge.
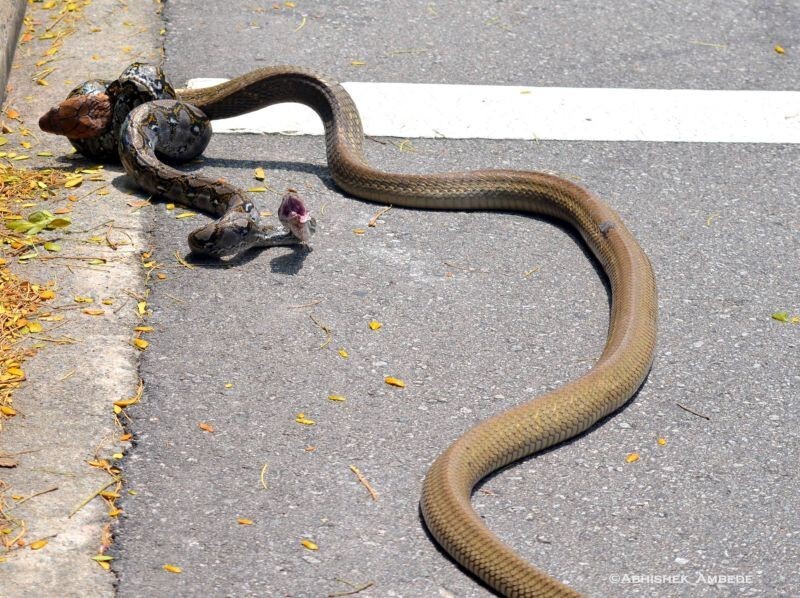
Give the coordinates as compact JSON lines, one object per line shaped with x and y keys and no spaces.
{"x":523,"y":430}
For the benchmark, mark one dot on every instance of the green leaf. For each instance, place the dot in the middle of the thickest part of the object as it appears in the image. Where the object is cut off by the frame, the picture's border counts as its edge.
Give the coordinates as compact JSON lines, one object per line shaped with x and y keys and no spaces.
{"x":18,"y":225}
{"x":781,"y":316}
{"x":40,"y":216}
{"x":35,"y":229}
{"x":102,"y":558}
{"x":59,"y":223}
{"x":52,"y":246}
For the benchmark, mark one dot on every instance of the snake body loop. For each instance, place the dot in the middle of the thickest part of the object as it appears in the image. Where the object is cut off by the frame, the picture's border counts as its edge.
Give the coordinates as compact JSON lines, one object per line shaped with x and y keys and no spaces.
{"x":531,"y":426}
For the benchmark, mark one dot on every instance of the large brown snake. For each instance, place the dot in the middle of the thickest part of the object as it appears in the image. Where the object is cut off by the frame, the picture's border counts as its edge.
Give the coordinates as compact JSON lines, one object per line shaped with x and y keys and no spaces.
{"x":532,"y":426}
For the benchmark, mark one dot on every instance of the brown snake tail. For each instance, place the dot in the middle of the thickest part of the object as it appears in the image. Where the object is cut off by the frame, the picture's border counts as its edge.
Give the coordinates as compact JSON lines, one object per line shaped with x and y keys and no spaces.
{"x":529,"y":427}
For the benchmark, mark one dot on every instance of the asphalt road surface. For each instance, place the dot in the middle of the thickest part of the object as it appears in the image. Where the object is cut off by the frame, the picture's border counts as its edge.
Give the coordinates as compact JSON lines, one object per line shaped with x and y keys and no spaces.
{"x":480,"y":311}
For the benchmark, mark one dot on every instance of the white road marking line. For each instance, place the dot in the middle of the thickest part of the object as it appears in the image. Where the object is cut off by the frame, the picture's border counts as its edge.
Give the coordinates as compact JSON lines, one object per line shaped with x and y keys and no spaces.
{"x":587,"y":114}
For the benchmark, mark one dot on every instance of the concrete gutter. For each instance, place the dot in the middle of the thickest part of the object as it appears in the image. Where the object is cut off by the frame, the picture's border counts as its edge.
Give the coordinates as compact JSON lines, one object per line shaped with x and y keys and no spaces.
{"x":11,"y":14}
{"x":67,"y":424}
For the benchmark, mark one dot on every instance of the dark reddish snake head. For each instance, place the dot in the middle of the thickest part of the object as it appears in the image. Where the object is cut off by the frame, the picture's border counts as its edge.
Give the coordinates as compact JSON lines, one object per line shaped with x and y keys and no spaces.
{"x":295,"y":216}
{"x":79,"y":117}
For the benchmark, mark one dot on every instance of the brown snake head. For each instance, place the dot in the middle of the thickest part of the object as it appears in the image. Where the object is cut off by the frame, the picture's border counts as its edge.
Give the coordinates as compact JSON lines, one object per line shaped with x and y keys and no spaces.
{"x":295,"y":216}
{"x":79,"y":117}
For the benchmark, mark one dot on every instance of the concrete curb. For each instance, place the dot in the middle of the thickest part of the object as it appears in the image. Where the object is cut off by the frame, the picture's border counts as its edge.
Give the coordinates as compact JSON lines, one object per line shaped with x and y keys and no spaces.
{"x":11,"y":14}
{"x":73,"y":382}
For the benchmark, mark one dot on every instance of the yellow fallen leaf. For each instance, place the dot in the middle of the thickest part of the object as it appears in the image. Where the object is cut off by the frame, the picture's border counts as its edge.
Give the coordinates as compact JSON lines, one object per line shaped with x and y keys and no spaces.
{"x":107,"y":301}
{"x":357,"y":63}
{"x":47,"y":294}
{"x":15,"y":371}
{"x":779,"y":49}
{"x":73,"y":181}
{"x":6,"y":410}
{"x":374,"y":325}
{"x":343,"y":353}
{"x":38,"y":544}
{"x":336,"y":398}
{"x":781,"y":316}
{"x":186,"y":215}
{"x":144,"y":329}
{"x":302,"y":419}
{"x":127,"y":402}
{"x":104,"y":565}
{"x":35,"y":327}
{"x":359,"y":231}
{"x":205,"y":427}
{"x":257,"y":189}
{"x":141,"y":306}
{"x":632,"y":458}
{"x":173,"y":569}
{"x":229,"y":385}
{"x":140,"y":344}
{"x":242,"y":521}
{"x":662,"y":441}
{"x":170,"y":206}
{"x":392,"y":381}
{"x":93,"y":312}
{"x":309,"y":544}
{"x":80,"y":299}
{"x":161,"y":276}
{"x":259,"y":174}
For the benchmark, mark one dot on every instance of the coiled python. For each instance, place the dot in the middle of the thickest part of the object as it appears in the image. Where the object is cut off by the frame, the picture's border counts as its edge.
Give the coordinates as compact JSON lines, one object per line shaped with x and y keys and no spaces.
{"x":136,"y":120}
{"x":513,"y":434}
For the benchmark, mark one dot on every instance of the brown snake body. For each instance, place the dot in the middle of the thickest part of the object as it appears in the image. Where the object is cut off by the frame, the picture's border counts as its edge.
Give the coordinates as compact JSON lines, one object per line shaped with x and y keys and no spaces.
{"x":529,"y":427}
{"x":532,"y":426}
